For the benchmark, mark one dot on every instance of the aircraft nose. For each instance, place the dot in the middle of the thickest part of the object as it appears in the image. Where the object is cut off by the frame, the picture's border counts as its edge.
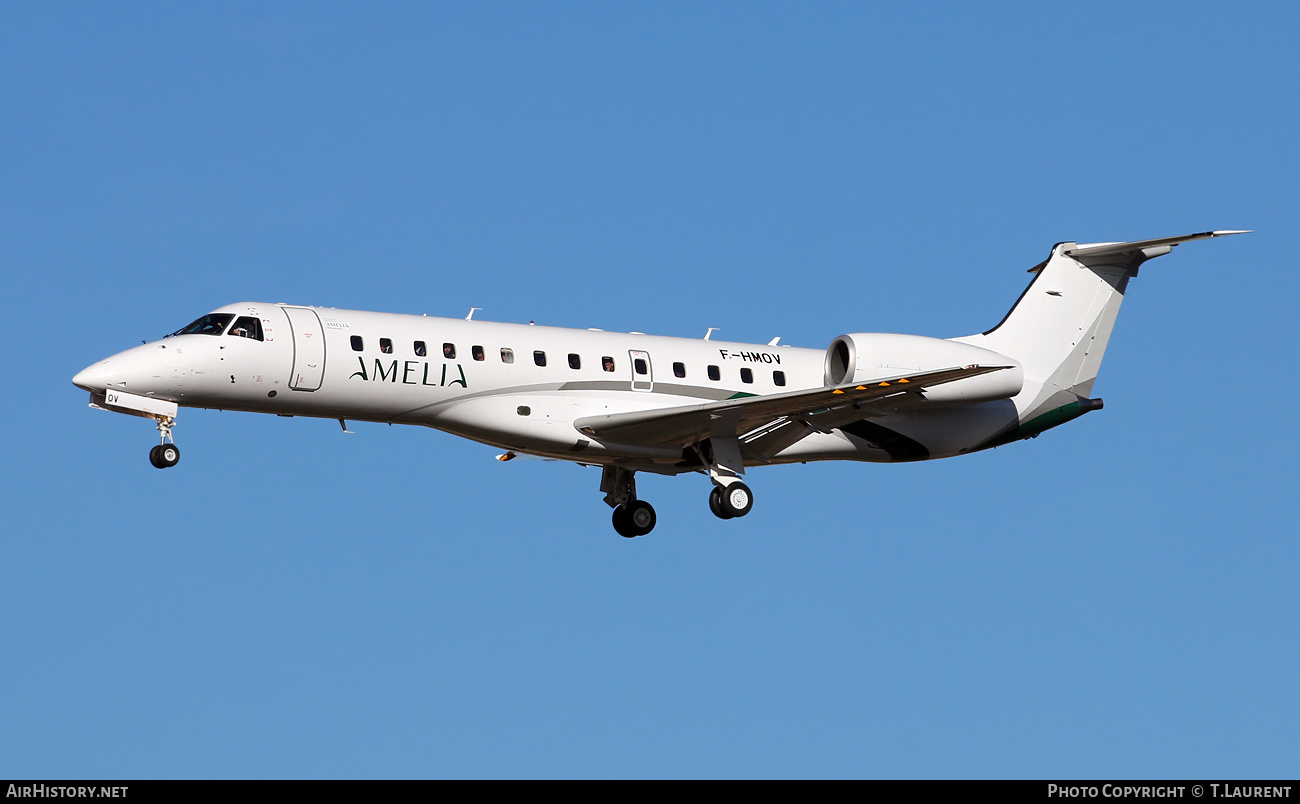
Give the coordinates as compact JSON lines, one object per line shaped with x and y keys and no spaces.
{"x":93,"y":378}
{"x":130,"y":370}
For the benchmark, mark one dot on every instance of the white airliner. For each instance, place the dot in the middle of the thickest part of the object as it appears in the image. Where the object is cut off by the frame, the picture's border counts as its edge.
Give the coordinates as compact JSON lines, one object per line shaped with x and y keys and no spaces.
{"x":629,"y":402}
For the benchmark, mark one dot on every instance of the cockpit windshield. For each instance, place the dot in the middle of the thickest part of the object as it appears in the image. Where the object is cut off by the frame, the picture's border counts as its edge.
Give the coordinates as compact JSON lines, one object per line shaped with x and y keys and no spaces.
{"x":247,"y":327}
{"x":210,"y":324}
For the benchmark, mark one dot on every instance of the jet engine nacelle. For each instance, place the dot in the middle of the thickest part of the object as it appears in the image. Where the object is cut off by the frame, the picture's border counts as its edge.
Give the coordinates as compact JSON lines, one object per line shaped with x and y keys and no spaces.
{"x":866,"y":356}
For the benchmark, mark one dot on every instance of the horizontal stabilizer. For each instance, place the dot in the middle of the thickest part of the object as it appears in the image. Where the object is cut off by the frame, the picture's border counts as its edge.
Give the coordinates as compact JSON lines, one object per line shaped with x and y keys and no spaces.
{"x":1107,"y":249}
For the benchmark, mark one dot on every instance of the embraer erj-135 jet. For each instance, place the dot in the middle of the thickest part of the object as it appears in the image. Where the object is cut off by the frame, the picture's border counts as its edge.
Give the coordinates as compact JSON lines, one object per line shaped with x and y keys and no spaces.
{"x":633,"y":403}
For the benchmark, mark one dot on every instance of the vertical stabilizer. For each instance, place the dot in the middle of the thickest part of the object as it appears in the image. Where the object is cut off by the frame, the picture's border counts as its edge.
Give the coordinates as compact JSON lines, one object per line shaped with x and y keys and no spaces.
{"x":1059,"y":328}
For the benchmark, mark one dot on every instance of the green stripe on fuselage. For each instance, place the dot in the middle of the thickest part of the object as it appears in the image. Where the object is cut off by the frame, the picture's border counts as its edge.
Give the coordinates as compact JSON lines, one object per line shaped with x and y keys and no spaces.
{"x":1036,"y":425}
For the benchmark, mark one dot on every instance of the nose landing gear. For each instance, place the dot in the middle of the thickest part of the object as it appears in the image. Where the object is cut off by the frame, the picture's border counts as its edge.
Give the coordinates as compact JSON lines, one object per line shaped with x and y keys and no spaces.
{"x":166,"y":454}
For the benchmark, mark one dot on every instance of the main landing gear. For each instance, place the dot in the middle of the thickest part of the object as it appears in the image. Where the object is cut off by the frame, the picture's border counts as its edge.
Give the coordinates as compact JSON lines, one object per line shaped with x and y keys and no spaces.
{"x":729,"y":502}
{"x":636,"y":518}
{"x":632,"y":517}
{"x":729,"y":499}
{"x":166,"y":454}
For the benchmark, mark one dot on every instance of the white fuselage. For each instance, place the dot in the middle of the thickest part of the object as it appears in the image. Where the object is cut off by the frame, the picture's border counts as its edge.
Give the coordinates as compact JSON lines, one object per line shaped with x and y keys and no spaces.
{"x":518,"y":387}
{"x":629,"y":402}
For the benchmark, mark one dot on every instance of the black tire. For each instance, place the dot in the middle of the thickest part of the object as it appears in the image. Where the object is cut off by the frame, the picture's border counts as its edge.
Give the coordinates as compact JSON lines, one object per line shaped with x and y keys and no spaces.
{"x":623,"y":523}
{"x":737,"y":499}
{"x":641,"y":515}
{"x":154,"y":459}
{"x":637,"y":518}
{"x":168,"y":455}
{"x":715,"y":503}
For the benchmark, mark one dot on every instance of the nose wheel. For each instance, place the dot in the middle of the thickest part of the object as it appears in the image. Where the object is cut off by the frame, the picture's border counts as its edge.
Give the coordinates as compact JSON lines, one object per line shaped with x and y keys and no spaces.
{"x":166,"y":454}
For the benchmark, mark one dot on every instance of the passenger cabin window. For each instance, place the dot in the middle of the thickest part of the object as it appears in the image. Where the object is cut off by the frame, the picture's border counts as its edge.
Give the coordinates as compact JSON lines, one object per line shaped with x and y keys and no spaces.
{"x":477,"y":351}
{"x":539,"y":358}
{"x":210,"y":324}
{"x":247,"y":327}
{"x":449,"y":351}
{"x":507,"y":355}
{"x":746,"y":375}
{"x":679,"y":369}
{"x":640,"y":367}
{"x":714,"y":374}
{"x":607,"y":363}
{"x":778,"y":377}
{"x":386,"y":345}
{"x":575,"y":362}
{"x":358,"y":343}
{"x":420,"y":349}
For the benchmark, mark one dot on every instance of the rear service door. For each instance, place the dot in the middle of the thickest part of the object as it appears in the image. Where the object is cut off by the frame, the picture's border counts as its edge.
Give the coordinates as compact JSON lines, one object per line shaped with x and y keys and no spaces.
{"x":308,"y":349}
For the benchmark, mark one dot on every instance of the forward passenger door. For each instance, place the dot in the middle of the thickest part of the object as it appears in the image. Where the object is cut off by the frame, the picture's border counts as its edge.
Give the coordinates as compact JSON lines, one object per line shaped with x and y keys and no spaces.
{"x":308,"y":349}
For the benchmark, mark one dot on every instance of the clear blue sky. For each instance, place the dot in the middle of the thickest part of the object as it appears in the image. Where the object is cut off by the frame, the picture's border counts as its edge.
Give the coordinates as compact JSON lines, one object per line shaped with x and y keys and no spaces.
{"x":1117,"y":598}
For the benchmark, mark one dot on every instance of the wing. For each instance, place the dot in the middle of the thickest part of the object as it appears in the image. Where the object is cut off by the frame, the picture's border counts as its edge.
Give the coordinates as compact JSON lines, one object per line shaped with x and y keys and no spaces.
{"x":768,"y":424}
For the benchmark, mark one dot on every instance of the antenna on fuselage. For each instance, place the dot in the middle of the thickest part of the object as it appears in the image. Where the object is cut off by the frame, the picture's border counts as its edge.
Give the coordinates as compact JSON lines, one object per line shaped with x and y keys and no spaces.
{"x":710,"y":332}
{"x":774,"y":341}
{"x":472,"y":311}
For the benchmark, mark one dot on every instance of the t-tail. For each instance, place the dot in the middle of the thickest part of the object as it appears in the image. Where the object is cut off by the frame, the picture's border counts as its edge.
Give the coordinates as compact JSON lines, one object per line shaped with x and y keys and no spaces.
{"x":1059,"y":328}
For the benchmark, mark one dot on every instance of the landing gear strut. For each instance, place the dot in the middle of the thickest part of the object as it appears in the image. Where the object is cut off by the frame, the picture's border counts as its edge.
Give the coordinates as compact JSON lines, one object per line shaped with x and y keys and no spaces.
{"x":166,"y":454}
{"x":632,"y":517}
